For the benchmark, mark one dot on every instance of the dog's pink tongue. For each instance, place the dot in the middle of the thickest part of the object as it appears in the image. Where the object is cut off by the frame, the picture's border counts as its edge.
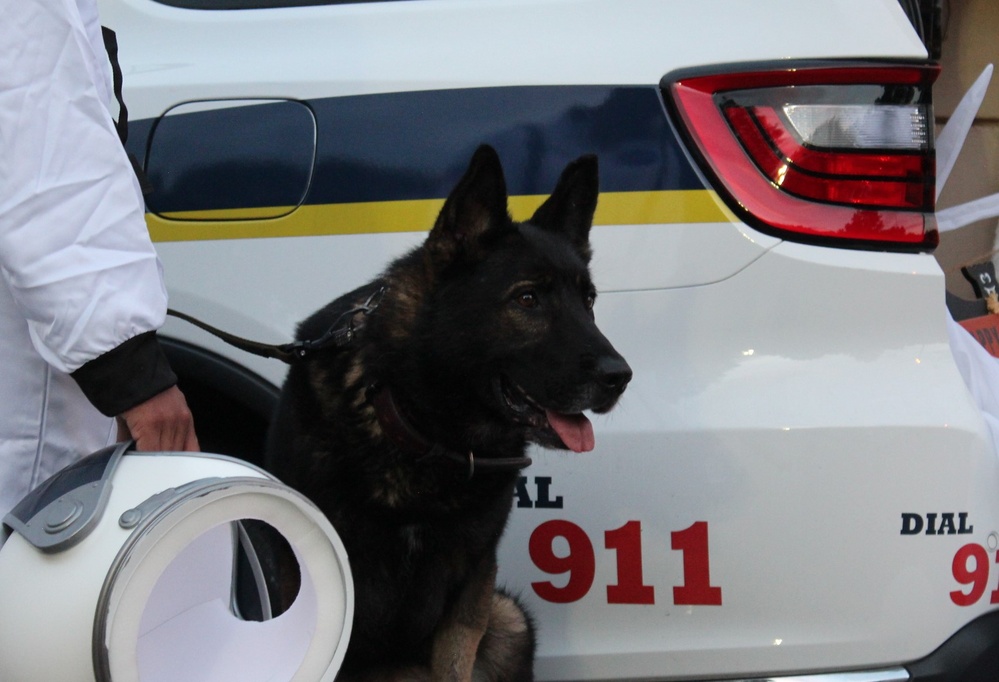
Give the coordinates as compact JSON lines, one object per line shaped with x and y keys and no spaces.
{"x":575,"y":430}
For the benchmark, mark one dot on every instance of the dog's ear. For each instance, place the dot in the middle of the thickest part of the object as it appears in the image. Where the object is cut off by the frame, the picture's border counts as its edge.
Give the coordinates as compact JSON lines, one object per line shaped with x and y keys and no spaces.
{"x":477,"y":205}
{"x":569,"y":210}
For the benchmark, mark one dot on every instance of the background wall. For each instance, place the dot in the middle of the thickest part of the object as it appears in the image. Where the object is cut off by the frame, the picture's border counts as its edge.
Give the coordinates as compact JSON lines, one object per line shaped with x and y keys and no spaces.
{"x":970,"y":31}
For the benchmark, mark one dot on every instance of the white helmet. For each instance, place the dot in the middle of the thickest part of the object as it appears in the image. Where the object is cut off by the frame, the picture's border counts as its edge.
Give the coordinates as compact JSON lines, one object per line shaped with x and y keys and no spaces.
{"x":137,"y":566}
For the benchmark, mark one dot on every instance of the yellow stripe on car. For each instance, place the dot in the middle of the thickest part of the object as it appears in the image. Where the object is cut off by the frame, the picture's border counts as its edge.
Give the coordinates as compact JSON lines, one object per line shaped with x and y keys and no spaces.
{"x":614,"y":208}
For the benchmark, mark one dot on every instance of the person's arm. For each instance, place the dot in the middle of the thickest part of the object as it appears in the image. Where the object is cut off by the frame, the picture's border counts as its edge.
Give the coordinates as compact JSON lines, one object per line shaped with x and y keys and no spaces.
{"x":74,"y":248}
{"x":134,"y":382}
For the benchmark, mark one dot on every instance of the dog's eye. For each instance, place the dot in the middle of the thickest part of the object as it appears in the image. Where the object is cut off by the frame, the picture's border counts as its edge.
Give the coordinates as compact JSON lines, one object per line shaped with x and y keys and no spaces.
{"x":527,"y":299}
{"x":591,"y":298}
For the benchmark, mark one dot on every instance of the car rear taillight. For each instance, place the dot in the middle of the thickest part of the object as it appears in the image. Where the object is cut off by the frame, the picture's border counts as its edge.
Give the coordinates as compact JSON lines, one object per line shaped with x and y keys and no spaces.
{"x":838,"y":153}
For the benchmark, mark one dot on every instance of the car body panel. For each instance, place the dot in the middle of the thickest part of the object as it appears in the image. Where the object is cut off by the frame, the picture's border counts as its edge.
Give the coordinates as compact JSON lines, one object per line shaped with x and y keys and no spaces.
{"x":798,"y":448}
{"x":379,"y":47}
{"x":794,"y":407}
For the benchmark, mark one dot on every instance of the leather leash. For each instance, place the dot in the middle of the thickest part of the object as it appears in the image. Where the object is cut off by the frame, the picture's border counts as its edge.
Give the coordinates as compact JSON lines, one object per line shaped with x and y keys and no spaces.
{"x":396,"y":427}
{"x":338,"y":335}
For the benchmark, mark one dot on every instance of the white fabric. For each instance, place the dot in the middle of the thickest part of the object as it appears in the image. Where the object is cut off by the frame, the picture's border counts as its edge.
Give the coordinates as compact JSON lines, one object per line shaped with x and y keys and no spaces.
{"x":962,"y":215}
{"x":79,"y":271}
{"x":951,"y":139}
{"x":980,"y":371}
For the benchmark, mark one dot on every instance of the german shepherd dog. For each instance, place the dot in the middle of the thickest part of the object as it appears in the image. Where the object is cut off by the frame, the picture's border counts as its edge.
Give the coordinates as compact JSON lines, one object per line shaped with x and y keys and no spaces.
{"x":410,"y":438}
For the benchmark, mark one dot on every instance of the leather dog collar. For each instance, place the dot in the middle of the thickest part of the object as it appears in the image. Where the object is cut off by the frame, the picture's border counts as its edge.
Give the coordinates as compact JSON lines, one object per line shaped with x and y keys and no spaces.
{"x":402,"y":433}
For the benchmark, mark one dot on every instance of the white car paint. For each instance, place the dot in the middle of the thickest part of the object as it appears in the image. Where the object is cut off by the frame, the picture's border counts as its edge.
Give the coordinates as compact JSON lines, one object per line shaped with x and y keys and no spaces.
{"x":797,"y":400}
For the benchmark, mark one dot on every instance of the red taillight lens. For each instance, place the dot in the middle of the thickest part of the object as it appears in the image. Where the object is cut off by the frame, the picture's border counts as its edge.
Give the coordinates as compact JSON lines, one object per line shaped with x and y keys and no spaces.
{"x":838,"y":153}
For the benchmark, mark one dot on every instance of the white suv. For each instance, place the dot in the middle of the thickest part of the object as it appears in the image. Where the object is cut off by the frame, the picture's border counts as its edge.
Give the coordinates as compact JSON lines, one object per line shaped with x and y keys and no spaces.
{"x":797,"y":481}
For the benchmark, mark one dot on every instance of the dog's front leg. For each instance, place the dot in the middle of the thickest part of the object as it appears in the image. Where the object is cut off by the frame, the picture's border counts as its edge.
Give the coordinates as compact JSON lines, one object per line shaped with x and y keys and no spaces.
{"x":457,"y":638}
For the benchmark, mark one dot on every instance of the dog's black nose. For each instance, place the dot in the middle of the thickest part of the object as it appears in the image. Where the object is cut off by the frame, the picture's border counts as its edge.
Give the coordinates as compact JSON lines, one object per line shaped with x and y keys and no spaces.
{"x":613,"y":372}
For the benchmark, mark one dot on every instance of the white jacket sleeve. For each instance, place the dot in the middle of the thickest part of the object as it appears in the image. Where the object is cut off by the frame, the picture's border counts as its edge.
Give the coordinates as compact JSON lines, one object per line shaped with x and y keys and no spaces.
{"x":74,"y":249}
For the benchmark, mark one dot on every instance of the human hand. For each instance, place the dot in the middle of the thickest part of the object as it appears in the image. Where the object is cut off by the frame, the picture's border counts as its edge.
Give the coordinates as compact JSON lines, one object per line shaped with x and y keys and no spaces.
{"x":163,"y":423}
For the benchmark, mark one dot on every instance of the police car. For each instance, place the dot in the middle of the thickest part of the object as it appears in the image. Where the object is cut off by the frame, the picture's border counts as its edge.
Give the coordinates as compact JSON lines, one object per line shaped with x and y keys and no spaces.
{"x":797,"y":483}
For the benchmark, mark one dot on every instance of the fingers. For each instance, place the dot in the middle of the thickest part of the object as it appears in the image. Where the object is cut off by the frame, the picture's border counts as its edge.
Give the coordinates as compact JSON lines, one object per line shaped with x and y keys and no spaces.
{"x":162,"y":423}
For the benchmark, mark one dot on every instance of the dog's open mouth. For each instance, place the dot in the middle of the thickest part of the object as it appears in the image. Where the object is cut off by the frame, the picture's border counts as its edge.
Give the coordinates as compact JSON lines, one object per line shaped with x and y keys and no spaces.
{"x":551,"y":428}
